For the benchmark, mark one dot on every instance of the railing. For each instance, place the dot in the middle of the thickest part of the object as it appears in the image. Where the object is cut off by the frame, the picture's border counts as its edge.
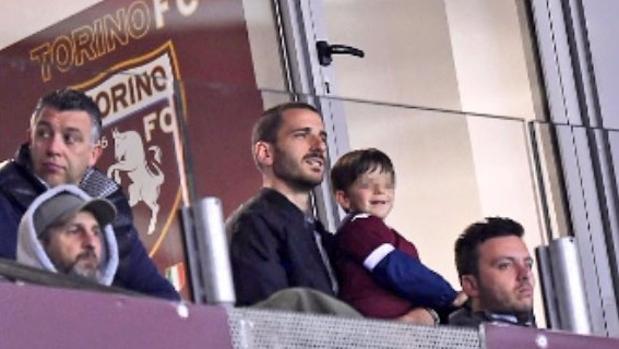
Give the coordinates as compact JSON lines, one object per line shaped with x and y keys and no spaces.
{"x":43,"y":317}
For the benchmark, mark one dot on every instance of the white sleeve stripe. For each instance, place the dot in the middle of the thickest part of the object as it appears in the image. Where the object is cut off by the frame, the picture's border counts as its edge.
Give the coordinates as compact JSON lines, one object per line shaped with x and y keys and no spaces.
{"x":377,"y":255}
{"x":360,"y":215}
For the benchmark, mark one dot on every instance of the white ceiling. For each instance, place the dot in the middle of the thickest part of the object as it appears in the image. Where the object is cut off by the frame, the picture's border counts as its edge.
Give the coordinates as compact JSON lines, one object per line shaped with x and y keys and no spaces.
{"x":22,"y":18}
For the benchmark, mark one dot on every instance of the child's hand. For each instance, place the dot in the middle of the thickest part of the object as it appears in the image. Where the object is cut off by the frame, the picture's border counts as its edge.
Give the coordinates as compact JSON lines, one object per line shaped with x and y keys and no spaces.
{"x":461,"y":298}
{"x":418,"y":316}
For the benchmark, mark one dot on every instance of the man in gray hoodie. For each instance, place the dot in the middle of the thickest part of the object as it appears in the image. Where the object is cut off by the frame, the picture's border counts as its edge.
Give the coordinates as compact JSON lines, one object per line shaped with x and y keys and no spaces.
{"x":67,"y":231}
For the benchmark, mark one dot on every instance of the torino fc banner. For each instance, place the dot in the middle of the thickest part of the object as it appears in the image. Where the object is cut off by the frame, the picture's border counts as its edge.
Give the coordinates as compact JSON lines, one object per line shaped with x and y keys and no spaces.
{"x":174,"y":81}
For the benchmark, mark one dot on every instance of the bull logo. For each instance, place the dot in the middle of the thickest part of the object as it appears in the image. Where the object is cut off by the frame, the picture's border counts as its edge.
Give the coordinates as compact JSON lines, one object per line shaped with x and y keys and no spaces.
{"x":131,"y":158}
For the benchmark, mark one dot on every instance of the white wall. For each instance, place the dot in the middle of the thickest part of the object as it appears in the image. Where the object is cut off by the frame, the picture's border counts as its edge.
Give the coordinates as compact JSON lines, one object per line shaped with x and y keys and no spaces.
{"x":492,"y":76}
{"x":22,"y":18}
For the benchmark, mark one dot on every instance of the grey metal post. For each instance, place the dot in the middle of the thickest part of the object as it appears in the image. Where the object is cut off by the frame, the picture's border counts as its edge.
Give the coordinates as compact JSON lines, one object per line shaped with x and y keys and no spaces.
{"x":213,"y":251}
{"x":567,"y":275}
{"x":564,"y":288}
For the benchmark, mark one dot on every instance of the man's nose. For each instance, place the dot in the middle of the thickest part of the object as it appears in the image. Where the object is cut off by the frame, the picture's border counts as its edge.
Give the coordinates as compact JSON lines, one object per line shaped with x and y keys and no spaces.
{"x":524,"y":272}
{"x":318,"y":143}
{"x":89,"y":238}
{"x":54,"y":145}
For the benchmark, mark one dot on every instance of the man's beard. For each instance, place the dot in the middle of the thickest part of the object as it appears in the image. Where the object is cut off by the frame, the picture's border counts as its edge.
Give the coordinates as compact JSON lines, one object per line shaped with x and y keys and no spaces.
{"x":85,"y":265}
{"x":506,"y":305}
{"x":290,"y":172}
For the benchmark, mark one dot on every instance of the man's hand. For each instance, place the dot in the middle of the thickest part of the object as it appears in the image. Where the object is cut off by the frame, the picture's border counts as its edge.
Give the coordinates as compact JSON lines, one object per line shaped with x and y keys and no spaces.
{"x":461,"y":298}
{"x":418,"y":316}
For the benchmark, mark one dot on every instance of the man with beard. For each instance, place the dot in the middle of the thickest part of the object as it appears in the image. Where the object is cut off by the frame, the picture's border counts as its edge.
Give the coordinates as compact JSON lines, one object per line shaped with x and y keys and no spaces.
{"x":495,"y":270}
{"x":276,"y":243}
{"x":68,"y":232}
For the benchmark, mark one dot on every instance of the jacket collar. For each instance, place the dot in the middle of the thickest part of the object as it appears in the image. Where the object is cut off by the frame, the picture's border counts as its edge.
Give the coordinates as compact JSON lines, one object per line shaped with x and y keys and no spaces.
{"x":279,"y":200}
{"x":24,"y":160}
{"x":288,"y":210}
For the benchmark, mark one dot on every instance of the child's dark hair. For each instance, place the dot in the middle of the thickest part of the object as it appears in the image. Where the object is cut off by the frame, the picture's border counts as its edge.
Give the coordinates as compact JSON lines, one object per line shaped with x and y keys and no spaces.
{"x":357,"y":162}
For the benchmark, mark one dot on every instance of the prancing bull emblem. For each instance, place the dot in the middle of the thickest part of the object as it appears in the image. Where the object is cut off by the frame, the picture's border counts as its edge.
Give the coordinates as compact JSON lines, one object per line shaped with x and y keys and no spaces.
{"x":131,"y":158}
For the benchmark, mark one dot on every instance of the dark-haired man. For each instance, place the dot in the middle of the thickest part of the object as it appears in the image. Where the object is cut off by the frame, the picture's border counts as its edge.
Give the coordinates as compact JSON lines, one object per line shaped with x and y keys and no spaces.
{"x":65,"y":128}
{"x":276,"y":243}
{"x":495,"y":270}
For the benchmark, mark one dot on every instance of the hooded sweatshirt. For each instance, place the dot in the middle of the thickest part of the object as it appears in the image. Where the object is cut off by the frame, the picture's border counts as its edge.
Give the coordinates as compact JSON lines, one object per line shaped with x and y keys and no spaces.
{"x":31,"y":252}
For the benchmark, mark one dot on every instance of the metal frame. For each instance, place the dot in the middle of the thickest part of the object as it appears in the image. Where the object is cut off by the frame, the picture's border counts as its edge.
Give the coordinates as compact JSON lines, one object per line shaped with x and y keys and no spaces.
{"x":300,"y":28}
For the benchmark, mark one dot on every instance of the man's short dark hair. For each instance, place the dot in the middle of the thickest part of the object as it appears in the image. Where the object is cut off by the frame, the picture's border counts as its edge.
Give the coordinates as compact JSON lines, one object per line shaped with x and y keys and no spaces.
{"x":67,"y":99}
{"x":467,"y":245}
{"x":268,"y":125}
{"x":357,"y":162}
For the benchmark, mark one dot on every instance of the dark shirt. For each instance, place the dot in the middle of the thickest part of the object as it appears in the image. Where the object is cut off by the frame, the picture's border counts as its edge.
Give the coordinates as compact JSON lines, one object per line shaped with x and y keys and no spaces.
{"x":272,"y":247}
{"x":19,"y":187}
{"x":465,"y":317}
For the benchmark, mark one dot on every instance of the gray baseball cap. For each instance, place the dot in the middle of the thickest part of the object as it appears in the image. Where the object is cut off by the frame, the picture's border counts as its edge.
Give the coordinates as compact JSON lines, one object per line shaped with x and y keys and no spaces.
{"x":65,"y":204}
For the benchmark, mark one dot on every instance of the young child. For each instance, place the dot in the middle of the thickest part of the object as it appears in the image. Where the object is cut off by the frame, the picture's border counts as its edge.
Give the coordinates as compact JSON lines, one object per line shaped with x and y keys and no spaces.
{"x":379,"y":271}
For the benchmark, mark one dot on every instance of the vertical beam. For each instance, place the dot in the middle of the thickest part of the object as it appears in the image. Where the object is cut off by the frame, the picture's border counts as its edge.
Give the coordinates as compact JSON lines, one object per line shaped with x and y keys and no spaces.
{"x":302,"y":25}
{"x":570,"y":87}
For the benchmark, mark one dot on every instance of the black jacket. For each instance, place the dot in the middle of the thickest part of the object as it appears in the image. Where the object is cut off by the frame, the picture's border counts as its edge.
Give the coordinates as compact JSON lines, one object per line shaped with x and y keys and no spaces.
{"x":272,"y":247}
{"x":465,"y":317}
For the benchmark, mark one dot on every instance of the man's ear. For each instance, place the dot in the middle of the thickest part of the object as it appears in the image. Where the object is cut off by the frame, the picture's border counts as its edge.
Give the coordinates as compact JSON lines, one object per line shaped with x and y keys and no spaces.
{"x":263,"y":153}
{"x":95,"y":154}
{"x":470,"y":285}
{"x":342,"y":198}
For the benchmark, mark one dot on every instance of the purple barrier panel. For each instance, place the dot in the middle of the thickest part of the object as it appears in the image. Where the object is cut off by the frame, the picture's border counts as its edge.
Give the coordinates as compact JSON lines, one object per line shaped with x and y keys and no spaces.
{"x":43,"y":317}
{"x":512,"y":337}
